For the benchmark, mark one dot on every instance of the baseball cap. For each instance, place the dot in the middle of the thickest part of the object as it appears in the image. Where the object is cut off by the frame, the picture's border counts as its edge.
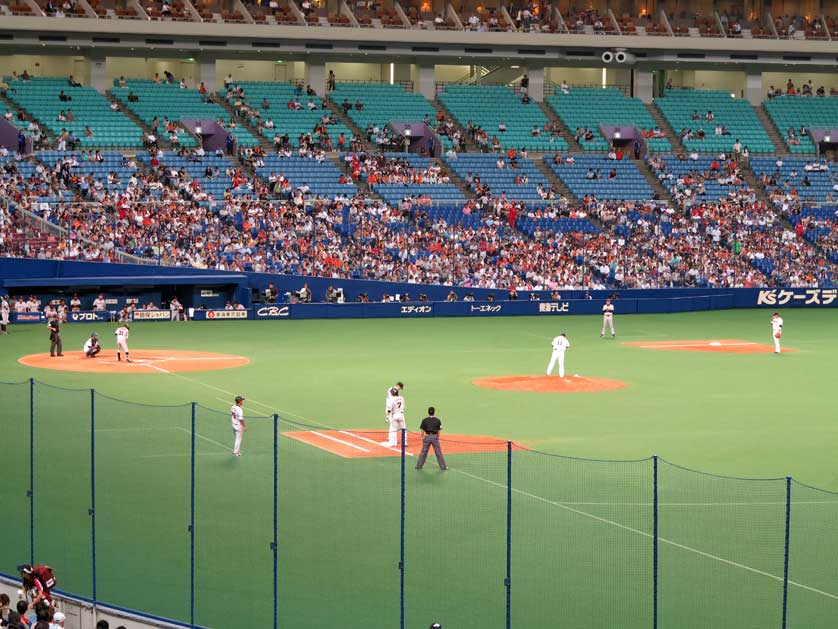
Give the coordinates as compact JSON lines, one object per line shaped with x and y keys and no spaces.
{"x":59,"y":617}
{"x":239,"y":398}
{"x":25,"y":568}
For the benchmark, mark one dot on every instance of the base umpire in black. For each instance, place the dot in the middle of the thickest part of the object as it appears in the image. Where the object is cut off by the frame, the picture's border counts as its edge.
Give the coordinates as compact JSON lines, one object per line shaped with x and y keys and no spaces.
{"x":431,"y":427}
{"x":55,"y":338}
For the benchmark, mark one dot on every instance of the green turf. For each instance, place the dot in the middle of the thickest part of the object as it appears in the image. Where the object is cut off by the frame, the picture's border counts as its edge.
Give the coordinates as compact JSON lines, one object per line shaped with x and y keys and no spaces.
{"x":582,"y":531}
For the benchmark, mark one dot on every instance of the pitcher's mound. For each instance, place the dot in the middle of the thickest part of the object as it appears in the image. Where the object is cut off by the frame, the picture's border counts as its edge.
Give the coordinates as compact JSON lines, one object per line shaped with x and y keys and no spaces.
{"x":550,"y":384}
{"x":142,"y":361}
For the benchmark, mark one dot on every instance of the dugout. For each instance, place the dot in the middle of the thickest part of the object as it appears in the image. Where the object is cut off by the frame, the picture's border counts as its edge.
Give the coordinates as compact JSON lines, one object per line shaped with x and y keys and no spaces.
{"x":52,"y":282}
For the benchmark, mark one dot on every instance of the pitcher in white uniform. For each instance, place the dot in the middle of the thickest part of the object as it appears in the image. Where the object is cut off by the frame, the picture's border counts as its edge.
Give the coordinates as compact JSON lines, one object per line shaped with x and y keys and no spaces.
{"x":560,"y":346}
{"x":776,"y":330}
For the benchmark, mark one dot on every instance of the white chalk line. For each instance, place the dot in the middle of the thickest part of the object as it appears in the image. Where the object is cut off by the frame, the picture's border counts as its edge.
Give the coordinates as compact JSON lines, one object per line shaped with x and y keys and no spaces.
{"x":341,"y":441}
{"x":645,"y":534}
{"x":362,"y":438}
{"x":665,"y":345}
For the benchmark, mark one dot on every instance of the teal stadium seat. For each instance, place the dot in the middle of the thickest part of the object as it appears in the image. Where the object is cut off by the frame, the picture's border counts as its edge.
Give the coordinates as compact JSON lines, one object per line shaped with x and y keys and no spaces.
{"x":169,"y":100}
{"x":111,"y":129}
{"x":591,"y":107}
{"x":292,"y":122}
{"x":734,"y":113}
{"x":488,"y":105}
{"x":383,"y":104}
{"x":811,"y":111}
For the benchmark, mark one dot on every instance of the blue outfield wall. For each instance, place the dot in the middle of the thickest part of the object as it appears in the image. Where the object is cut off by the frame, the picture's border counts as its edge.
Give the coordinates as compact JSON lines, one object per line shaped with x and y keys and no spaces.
{"x":51,"y":279}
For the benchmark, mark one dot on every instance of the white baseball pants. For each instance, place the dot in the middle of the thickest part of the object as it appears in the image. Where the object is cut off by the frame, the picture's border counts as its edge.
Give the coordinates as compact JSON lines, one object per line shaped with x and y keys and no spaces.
{"x":607,"y":322}
{"x":396,"y":426}
{"x":776,"y":345}
{"x":557,"y":357}
{"x":237,"y":444}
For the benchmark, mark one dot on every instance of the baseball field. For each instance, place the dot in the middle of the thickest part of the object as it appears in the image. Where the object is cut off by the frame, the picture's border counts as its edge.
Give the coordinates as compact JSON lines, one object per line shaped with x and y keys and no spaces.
{"x":588,"y":525}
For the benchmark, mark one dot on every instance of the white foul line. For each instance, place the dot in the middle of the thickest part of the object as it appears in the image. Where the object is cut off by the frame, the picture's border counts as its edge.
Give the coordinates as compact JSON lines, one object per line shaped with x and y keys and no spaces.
{"x":189,"y":432}
{"x":666,"y":345}
{"x":645,"y":534}
{"x":346,"y":443}
{"x":375,"y":443}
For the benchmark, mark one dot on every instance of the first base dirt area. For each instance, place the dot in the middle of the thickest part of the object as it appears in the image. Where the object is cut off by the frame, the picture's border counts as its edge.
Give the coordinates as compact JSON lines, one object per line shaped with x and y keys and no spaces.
{"x":723,"y":346}
{"x":142,"y":361}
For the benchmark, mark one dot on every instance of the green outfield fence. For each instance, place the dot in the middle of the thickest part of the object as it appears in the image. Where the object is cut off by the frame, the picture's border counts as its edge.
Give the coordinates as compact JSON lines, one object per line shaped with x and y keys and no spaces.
{"x":141,"y":508}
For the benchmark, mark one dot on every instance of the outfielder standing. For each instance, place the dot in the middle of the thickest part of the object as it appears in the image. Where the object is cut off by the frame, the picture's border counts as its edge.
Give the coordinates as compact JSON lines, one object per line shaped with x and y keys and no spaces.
{"x":395,"y":417}
{"x":239,"y":427}
{"x":776,"y":330}
{"x":122,"y":333}
{"x":560,"y":346}
{"x":607,"y":318}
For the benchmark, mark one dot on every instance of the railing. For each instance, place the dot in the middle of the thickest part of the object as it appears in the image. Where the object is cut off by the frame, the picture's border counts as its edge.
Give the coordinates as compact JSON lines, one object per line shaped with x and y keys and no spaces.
{"x":144,"y":508}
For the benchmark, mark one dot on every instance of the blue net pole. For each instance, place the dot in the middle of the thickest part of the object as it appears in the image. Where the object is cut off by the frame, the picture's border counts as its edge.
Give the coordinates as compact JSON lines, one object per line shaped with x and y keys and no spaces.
{"x":93,"y":490}
{"x":401,"y":541}
{"x":655,"y":542}
{"x":508,"y":580}
{"x":786,"y":552}
{"x":192,"y":523}
{"x":31,"y":492}
{"x":275,"y":543}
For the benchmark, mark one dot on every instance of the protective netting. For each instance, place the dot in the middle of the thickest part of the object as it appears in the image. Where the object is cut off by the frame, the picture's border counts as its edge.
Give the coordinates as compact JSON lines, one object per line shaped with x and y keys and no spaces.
{"x":142,"y":506}
{"x":721,"y":549}
{"x":582,"y":542}
{"x":455,"y":538}
{"x":234,"y":515}
{"x":813,"y":558}
{"x":362,"y":537}
{"x":62,"y":487}
{"x":339,"y":531}
{"x":14,"y":481}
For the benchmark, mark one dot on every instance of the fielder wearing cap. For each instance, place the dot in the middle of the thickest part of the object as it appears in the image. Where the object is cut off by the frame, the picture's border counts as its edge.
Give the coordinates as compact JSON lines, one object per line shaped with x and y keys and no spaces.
{"x":239,"y":427}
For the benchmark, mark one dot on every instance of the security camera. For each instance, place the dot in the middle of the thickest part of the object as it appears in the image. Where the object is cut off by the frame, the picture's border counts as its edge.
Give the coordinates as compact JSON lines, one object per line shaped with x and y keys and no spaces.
{"x":621,"y":56}
{"x":607,"y":56}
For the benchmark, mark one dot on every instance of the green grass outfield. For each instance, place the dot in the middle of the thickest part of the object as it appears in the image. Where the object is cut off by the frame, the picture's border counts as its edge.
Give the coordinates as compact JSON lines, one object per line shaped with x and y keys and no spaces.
{"x":582,"y":544}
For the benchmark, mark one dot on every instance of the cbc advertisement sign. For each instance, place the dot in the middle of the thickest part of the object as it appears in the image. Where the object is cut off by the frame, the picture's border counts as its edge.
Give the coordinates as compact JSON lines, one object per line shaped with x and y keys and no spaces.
{"x":273,"y":312}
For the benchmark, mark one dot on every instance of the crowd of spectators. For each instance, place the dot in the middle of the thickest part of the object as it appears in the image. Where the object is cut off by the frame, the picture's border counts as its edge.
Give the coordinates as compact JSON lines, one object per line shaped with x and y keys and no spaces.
{"x":719,"y":233}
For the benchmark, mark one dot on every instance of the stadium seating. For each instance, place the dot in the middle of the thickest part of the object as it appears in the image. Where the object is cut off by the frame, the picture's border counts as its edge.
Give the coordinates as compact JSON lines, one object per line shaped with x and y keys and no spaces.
{"x":169,"y":100}
{"x":40,"y":97}
{"x":792,"y":112}
{"x":322,"y":177}
{"x":501,"y":181}
{"x":679,"y":107}
{"x":195,"y":167}
{"x":628,"y":185}
{"x":592,"y":107}
{"x":445,"y":195}
{"x":713,"y":190}
{"x":294,"y":122}
{"x":383,"y":103}
{"x":820,"y":183}
{"x":113,"y":163}
{"x":821,"y":229}
{"x":489,"y":105}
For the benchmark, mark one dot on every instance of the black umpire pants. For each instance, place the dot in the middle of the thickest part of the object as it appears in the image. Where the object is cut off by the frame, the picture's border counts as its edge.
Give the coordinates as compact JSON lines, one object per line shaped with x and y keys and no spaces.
{"x":429,"y":441}
{"x":55,"y":343}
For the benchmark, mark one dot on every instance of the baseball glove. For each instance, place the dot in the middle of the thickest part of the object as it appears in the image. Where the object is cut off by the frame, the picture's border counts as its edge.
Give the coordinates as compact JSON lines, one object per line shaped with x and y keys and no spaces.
{"x":778,"y":335}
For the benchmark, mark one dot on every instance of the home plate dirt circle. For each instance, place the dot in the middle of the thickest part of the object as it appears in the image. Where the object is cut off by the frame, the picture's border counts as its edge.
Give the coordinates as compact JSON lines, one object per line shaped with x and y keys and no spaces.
{"x":550,"y":384}
{"x":142,"y":361}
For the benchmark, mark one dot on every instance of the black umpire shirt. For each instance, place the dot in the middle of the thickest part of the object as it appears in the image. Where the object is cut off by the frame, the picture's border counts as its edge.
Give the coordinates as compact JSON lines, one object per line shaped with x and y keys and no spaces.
{"x":431,"y":425}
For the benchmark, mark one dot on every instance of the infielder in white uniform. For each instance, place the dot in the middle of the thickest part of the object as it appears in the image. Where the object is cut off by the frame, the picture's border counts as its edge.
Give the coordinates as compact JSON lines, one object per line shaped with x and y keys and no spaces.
{"x":4,"y":314}
{"x":776,"y":330}
{"x":607,"y":318}
{"x":395,"y":417}
{"x":122,"y":333}
{"x":560,"y":346}
{"x":239,"y":427}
